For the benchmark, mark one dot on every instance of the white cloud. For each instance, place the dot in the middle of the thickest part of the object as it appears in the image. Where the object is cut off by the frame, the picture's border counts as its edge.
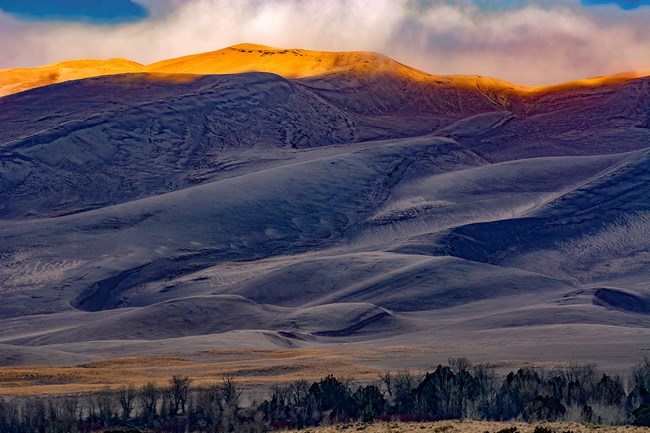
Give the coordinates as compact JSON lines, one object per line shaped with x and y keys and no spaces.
{"x":534,"y":44}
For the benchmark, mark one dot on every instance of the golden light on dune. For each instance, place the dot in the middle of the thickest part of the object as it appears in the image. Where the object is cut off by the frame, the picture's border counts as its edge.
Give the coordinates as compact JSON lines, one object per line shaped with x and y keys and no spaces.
{"x":288,"y":63}
{"x":21,"y":79}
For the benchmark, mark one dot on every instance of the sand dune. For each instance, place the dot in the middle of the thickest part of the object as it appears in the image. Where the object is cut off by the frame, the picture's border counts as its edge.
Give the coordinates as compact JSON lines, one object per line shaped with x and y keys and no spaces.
{"x":255,"y":197}
{"x":221,"y":314}
{"x":21,"y":79}
{"x":289,"y":63}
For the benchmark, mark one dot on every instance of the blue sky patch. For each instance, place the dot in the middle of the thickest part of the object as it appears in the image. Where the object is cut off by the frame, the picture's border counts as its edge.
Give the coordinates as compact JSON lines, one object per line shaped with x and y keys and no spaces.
{"x":625,"y":4}
{"x":96,"y":11}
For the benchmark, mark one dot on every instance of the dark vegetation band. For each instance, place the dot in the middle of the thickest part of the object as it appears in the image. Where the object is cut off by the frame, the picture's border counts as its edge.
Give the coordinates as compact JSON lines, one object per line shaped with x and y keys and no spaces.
{"x":458,"y":390}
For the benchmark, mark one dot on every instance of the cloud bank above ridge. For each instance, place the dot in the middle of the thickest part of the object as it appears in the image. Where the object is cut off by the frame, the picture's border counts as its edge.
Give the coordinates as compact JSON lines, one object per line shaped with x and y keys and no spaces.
{"x":526,"y":42}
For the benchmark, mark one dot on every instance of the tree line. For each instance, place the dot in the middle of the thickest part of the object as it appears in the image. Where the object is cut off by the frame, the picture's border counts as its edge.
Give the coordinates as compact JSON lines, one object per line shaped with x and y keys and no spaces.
{"x":458,"y":390}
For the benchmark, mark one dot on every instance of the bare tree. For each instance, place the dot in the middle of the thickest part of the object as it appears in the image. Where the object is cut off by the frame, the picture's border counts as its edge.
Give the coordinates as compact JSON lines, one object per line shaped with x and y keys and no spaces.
{"x":482,"y":402}
{"x":148,"y":396}
{"x":230,"y":392}
{"x":403,"y":383}
{"x":302,"y":401}
{"x":641,"y":375}
{"x":208,"y":406}
{"x":35,"y":415}
{"x":230,"y":395}
{"x":178,"y":390}
{"x":459,"y":364}
{"x":104,"y":405}
{"x":126,"y":397}
{"x":387,"y":379}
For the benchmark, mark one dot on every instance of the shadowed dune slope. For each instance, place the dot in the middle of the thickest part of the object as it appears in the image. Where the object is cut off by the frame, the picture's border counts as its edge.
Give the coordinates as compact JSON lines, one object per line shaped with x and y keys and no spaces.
{"x":167,"y":137}
{"x":604,"y":220}
{"x":402,"y":283}
{"x":220,"y":314}
{"x":65,"y":152}
{"x":257,"y":198}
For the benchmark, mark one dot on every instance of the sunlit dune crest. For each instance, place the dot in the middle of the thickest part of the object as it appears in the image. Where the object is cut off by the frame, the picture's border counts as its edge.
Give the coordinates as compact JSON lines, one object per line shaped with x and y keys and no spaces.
{"x":288,"y":63}
{"x":589,"y":82}
{"x":21,"y":79}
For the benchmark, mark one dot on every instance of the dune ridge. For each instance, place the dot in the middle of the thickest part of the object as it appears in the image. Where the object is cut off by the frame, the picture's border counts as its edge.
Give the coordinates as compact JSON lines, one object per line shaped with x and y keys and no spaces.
{"x":288,"y":63}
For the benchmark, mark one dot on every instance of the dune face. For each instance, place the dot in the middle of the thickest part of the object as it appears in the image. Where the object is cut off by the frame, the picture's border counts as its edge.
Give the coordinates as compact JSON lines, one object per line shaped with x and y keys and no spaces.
{"x":263,"y":197}
{"x":288,"y":63}
{"x":22,"y":79}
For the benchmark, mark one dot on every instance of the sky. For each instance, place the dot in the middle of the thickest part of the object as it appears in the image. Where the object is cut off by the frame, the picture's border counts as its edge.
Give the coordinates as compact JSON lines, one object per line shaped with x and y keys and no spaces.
{"x":525,"y":41}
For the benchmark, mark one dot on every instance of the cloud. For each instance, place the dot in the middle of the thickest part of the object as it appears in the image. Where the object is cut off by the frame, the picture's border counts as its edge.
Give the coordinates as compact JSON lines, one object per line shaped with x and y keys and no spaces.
{"x":526,"y":42}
